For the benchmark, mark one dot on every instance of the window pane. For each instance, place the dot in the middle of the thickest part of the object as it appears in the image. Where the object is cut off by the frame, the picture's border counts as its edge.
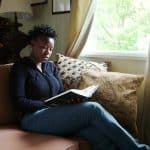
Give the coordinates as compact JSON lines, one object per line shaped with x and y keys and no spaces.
{"x":120,"y":25}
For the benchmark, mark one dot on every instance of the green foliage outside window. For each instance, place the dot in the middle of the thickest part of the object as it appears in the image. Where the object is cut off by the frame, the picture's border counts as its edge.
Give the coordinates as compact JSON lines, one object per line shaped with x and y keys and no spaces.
{"x":122,"y":25}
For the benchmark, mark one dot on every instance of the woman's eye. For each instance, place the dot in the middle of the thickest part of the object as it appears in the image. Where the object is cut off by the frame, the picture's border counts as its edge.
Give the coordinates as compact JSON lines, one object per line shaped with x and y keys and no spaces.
{"x":50,"y":49}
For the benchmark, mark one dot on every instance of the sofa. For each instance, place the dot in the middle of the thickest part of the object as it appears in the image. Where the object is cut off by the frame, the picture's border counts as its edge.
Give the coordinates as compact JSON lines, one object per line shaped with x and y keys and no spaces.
{"x":12,"y":137}
{"x":117,"y":92}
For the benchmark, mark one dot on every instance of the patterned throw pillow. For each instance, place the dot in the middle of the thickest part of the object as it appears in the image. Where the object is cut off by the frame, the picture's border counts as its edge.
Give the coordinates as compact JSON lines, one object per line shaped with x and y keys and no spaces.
{"x":70,"y":69}
{"x":117,"y":93}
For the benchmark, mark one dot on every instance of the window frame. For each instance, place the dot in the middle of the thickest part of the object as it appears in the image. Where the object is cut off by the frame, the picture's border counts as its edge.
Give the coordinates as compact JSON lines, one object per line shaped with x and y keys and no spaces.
{"x":133,"y":54}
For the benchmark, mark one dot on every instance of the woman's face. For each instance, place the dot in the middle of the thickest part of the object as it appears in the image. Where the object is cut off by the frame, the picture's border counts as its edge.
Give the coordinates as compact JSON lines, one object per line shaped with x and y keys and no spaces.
{"x":42,"y":48}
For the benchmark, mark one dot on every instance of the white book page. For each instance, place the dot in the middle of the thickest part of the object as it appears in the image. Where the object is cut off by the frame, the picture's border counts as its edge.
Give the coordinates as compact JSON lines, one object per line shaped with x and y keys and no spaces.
{"x":86,"y":92}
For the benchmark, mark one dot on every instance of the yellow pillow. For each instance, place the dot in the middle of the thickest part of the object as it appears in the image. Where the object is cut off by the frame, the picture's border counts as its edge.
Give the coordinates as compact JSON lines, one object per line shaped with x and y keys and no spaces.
{"x":117,"y":93}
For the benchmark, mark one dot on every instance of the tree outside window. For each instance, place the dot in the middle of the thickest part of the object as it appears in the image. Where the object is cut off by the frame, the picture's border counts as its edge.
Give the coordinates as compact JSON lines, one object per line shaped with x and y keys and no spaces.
{"x":120,"y":25}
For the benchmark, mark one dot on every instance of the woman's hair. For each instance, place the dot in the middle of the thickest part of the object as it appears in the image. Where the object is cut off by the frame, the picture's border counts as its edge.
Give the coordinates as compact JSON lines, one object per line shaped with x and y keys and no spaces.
{"x":41,"y":30}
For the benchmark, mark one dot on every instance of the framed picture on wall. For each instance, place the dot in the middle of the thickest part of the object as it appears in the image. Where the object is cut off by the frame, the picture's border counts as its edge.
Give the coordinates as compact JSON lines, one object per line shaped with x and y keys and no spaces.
{"x":38,"y":2}
{"x":61,"y":6}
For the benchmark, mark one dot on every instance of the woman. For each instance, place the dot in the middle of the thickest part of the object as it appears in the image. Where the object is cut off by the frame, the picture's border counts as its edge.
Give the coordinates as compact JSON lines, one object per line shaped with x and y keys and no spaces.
{"x":35,"y":79}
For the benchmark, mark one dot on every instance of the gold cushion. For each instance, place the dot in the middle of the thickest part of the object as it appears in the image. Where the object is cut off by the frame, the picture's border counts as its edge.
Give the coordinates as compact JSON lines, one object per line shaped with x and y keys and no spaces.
{"x":7,"y":113}
{"x":117,"y":93}
{"x":70,"y":69}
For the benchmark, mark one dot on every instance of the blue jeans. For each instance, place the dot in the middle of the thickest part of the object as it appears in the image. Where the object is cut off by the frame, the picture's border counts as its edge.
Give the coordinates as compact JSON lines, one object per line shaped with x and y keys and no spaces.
{"x":88,"y":120}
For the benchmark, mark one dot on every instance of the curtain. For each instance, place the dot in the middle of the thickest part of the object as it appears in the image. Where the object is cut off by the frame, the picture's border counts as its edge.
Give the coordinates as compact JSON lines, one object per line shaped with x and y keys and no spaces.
{"x":146,"y":103}
{"x":81,"y":17}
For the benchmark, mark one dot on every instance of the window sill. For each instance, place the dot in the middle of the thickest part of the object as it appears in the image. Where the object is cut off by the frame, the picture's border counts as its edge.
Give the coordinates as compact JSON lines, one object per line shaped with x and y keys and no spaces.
{"x":116,"y":55}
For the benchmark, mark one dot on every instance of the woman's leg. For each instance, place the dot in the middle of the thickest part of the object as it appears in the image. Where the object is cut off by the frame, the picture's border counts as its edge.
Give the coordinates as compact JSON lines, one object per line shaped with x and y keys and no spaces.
{"x":99,"y":140}
{"x":87,"y":119}
{"x":68,"y":120}
{"x":109,"y":126}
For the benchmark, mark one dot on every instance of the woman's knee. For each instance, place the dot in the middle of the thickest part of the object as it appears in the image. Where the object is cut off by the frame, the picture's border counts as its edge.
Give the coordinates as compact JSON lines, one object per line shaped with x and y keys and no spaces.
{"x":94,"y":108}
{"x":98,"y":112}
{"x":94,"y":105}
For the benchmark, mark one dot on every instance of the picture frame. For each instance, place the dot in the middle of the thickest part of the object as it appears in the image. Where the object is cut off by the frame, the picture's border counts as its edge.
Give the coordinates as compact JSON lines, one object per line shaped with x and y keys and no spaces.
{"x":61,"y":6}
{"x":38,"y":2}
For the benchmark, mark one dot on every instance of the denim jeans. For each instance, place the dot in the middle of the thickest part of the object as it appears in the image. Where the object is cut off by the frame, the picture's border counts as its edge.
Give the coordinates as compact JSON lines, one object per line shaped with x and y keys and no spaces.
{"x":88,"y":120}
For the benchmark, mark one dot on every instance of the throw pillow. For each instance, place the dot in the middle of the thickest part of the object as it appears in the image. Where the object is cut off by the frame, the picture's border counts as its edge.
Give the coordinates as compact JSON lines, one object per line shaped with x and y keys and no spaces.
{"x":117,"y":93}
{"x":70,"y":69}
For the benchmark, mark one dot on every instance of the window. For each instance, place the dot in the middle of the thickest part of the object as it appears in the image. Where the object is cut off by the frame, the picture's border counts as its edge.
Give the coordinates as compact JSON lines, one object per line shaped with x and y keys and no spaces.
{"x":121,"y":27}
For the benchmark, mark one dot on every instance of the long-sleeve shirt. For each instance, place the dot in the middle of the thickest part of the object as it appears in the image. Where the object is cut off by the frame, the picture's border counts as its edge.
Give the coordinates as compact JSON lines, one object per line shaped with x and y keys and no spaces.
{"x":29,"y":87}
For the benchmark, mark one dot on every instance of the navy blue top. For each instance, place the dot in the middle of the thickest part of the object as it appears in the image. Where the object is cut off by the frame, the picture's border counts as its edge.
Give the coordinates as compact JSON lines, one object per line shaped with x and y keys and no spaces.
{"x":29,"y":87}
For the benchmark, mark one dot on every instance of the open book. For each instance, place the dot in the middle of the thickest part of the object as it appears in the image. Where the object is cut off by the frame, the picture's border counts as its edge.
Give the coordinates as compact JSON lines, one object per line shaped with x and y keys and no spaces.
{"x":72,"y":94}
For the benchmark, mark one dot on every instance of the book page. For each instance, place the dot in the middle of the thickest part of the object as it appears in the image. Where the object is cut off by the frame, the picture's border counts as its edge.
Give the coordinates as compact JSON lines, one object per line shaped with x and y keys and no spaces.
{"x":87,"y":92}
{"x":73,"y":93}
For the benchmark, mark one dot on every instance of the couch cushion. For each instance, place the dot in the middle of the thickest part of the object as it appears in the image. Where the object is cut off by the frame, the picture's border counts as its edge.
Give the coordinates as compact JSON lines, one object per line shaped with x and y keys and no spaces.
{"x":12,"y":138}
{"x":7,"y":113}
{"x":70,"y":69}
{"x":117,"y":93}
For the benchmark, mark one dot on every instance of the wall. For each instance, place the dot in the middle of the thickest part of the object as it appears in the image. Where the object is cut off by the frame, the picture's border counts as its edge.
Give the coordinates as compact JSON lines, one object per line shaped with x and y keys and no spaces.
{"x":42,"y":14}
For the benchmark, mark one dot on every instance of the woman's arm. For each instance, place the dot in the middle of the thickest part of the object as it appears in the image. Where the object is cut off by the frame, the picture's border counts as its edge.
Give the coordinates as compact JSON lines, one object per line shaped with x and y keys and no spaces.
{"x":28,"y":105}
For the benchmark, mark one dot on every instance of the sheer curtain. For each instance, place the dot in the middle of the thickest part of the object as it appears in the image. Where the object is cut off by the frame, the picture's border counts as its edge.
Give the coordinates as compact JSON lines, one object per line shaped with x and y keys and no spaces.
{"x":146,"y":103}
{"x":81,"y":18}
